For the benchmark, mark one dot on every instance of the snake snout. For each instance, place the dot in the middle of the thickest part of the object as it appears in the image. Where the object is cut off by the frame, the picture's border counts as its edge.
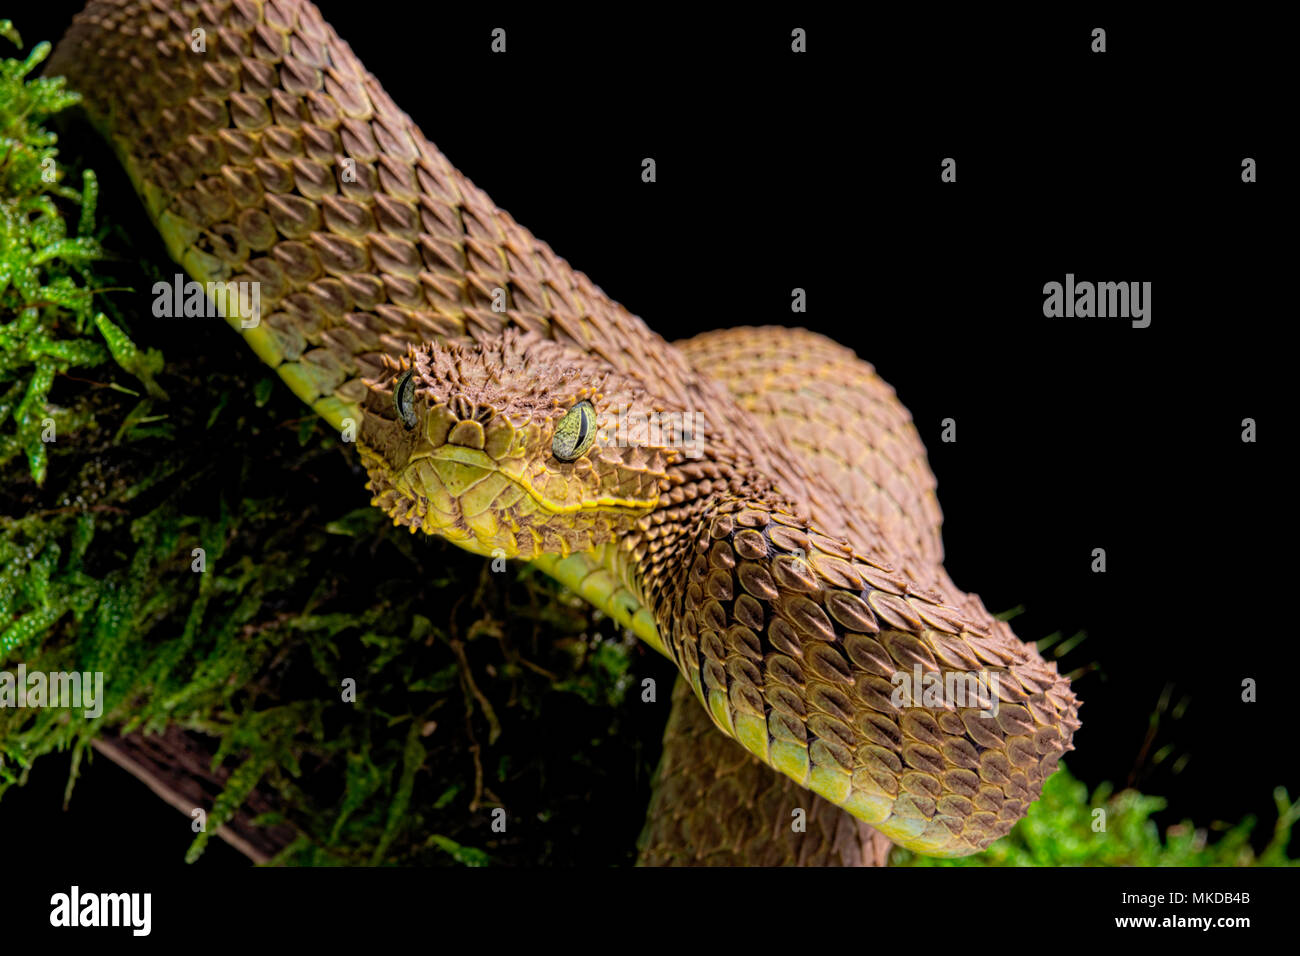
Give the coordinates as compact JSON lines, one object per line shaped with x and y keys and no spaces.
{"x":455,"y":466}
{"x":468,"y":426}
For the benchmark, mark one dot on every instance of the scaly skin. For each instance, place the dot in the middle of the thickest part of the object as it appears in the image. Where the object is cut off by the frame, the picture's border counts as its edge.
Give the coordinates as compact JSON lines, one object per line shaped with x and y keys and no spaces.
{"x":787,"y":603}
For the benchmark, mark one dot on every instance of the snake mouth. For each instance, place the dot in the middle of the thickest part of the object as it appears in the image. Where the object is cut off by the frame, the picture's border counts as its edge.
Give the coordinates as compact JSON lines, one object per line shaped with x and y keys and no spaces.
{"x":497,"y":507}
{"x":457,"y":493}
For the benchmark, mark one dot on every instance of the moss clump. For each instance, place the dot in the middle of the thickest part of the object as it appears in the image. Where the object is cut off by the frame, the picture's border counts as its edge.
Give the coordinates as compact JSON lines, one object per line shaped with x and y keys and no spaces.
{"x":45,"y":286}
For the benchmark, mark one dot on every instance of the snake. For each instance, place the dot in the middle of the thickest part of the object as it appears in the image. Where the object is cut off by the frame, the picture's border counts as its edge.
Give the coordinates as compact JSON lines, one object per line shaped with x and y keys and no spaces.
{"x":754,"y":503}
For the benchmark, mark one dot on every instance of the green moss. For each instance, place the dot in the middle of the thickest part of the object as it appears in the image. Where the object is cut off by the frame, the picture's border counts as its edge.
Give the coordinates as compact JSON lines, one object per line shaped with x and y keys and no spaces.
{"x":1066,"y":827}
{"x":45,"y":286}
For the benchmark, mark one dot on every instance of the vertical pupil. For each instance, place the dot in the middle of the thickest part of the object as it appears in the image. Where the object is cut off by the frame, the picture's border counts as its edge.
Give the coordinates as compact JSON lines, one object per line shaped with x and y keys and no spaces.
{"x":584,"y":425}
{"x":403,"y":399}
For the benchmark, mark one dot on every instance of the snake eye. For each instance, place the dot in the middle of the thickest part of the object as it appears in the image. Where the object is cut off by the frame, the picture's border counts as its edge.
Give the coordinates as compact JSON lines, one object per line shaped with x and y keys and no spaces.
{"x":404,"y":399}
{"x":575,"y":433}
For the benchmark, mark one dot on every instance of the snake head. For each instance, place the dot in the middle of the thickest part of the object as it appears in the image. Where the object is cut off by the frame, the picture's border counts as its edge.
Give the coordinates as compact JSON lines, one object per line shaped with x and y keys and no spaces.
{"x":509,"y":447}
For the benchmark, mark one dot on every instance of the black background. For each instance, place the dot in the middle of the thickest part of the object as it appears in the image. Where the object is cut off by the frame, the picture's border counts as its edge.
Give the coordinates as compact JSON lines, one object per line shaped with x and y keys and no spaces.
{"x":821,"y":171}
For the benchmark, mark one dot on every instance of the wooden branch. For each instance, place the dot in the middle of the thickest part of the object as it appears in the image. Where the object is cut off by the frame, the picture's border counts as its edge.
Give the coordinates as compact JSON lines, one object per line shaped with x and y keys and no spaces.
{"x":175,"y":765}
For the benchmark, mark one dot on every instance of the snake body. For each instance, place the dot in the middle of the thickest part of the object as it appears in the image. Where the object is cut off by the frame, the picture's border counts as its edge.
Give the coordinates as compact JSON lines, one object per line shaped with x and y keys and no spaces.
{"x":791,"y":569}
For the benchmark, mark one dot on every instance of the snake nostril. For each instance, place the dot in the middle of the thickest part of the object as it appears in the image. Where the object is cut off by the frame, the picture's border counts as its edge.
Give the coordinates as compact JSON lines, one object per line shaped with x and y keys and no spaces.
{"x":461,"y":407}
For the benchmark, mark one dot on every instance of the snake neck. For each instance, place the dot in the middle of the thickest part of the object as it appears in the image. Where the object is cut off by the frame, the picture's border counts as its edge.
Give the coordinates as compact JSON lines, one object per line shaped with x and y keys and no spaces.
{"x":634,"y":574}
